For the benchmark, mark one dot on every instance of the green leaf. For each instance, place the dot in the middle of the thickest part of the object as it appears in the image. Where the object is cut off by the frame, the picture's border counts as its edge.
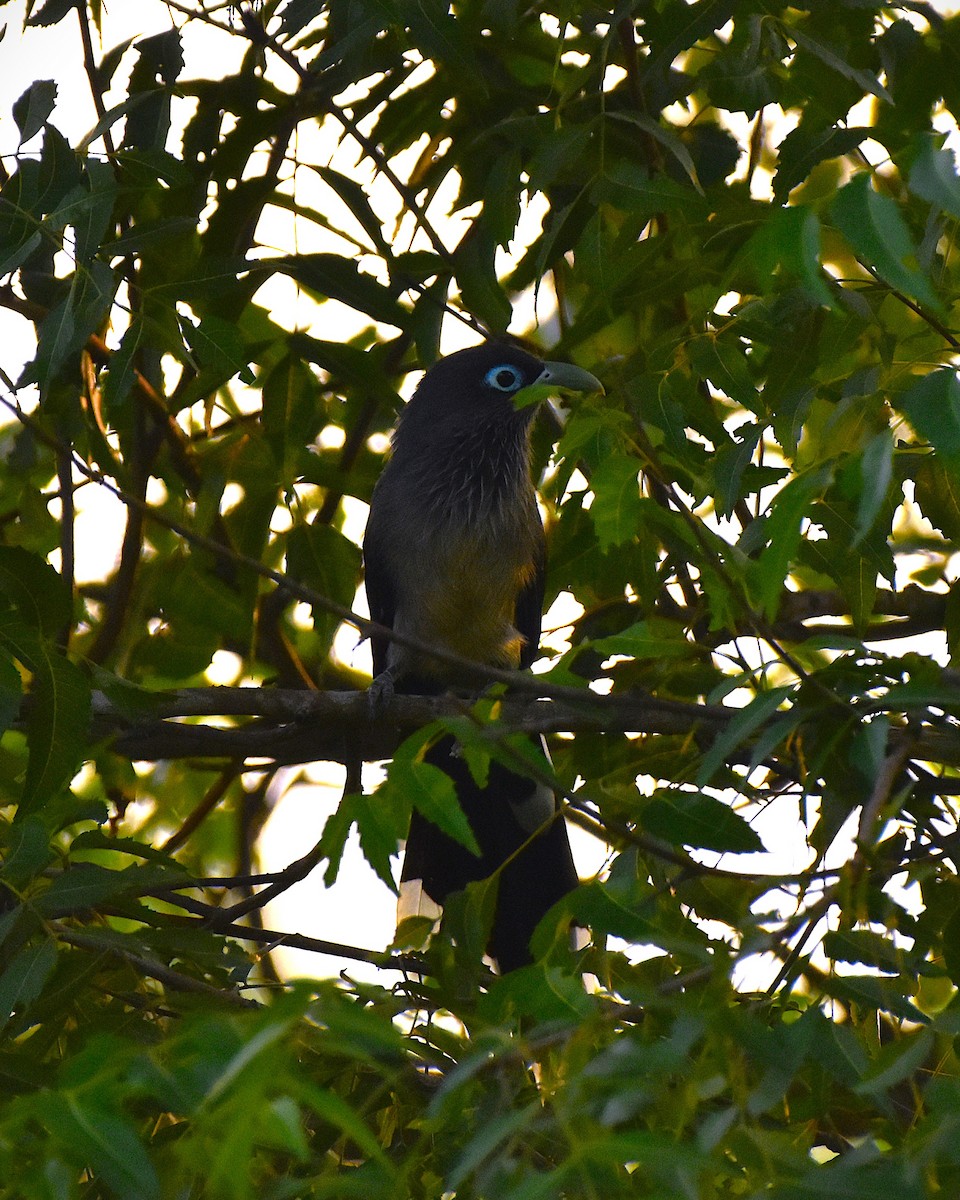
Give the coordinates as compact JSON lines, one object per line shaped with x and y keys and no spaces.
{"x":804,"y":147}
{"x":900,"y":1060}
{"x":90,"y":216}
{"x":468,"y":916}
{"x":122,"y":369}
{"x":932,"y":406}
{"x":333,"y":1110}
{"x":916,"y":694}
{"x":933,"y":176}
{"x":489,"y":1139}
{"x":97,"y":839}
{"x":355,"y":198}
{"x":218,"y":344}
{"x":872,"y":992}
{"x":625,"y":911}
{"x":640,"y":641}
{"x":40,"y":595}
{"x":731,"y":463}
{"x":34,"y":107}
{"x":11,"y":692}
{"x":329,"y":275}
{"x":543,"y":992}
{"x":65,"y":329}
{"x":766,"y":574}
{"x":840,"y":1179}
{"x":876,"y":473}
{"x":938,"y":494}
{"x":149,"y":233}
{"x":381,"y":820}
{"x":290,"y":416}
{"x":476,"y":273}
{"x":743,"y":77}
{"x":433,"y":793}
{"x":685,"y":818}
{"x":629,"y":186}
{"x":616,"y":507}
{"x":58,"y":713}
{"x":873,"y":225}
{"x":836,"y":62}
{"x":441,"y":36}
{"x":232,"y":1068}
{"x":747,"y":721}
{"x":725,"y":364}
{"x":112,"y":116}
{"x":107,"y":1142}
{"x":864,"y":946}
{"x":51,"y":12}
{"x":321,"y":557}
{"x":667,"y":138}
{"x":83,"y":886}
{"x":788,"y":242}
{"x":24,"y":978}
{"x":18,"y":250}
{"x":26,"y":853}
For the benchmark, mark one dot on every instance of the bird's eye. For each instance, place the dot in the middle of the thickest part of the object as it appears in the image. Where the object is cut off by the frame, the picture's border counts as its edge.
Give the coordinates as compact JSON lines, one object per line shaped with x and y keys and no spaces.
{"x":505,"y":378}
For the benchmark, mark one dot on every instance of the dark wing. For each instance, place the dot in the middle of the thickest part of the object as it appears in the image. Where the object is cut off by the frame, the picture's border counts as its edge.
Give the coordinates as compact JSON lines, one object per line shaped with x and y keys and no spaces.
{"x":381,"y":597}
{"x":535,"y":871}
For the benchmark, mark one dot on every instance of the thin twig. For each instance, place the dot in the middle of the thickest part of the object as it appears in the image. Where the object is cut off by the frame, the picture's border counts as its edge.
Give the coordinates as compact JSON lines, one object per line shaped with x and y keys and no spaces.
{"x":211,"y":798}
{"x":67,"y":559}
{"x":90,"y":67}
{"x":890,"y":771}
{"x":298,"y":941}
{"x":147,"y":966}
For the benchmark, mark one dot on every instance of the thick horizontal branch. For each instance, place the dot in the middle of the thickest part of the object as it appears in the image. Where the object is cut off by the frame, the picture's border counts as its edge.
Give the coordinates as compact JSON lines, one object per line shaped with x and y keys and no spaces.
{"x":289,"y":726}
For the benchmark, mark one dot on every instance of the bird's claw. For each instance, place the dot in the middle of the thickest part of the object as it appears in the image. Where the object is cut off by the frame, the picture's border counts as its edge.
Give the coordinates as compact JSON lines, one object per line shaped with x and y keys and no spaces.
{"x":381,"y":691}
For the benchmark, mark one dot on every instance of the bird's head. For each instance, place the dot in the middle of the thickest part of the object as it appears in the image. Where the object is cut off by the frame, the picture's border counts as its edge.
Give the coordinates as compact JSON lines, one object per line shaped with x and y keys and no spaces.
{"x":481,"y":384}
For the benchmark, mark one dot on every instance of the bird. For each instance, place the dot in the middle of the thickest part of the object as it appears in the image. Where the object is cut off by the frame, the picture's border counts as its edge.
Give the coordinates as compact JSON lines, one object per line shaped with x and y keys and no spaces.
{"x":454,"y":556}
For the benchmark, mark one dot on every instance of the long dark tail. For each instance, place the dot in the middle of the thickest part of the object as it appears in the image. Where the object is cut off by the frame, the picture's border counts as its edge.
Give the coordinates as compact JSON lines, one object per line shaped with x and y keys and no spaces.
{"x":503,"y":815}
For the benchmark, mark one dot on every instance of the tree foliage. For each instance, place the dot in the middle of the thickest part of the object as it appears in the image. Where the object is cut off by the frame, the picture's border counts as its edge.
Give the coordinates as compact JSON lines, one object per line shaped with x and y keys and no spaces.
{"x":743,"y":217}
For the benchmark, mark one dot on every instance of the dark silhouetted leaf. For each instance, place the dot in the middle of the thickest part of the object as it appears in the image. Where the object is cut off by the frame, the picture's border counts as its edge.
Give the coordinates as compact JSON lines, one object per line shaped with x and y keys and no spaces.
{"x":34,"y":107}
{"x":873,"y":225}
{"x":685,"y":818}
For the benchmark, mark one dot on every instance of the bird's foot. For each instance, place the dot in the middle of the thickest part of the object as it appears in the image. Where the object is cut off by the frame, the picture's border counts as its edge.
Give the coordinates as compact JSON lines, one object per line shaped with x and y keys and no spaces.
{"x":380,"y":692}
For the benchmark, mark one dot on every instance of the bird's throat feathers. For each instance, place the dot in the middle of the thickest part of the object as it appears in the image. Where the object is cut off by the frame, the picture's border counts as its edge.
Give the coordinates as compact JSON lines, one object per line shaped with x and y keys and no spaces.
{"x":476,"y":472}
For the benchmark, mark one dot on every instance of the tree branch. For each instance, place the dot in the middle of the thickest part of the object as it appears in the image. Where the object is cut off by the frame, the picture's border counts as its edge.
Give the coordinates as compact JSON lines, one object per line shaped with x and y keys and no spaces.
{"x":288,"y":726}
